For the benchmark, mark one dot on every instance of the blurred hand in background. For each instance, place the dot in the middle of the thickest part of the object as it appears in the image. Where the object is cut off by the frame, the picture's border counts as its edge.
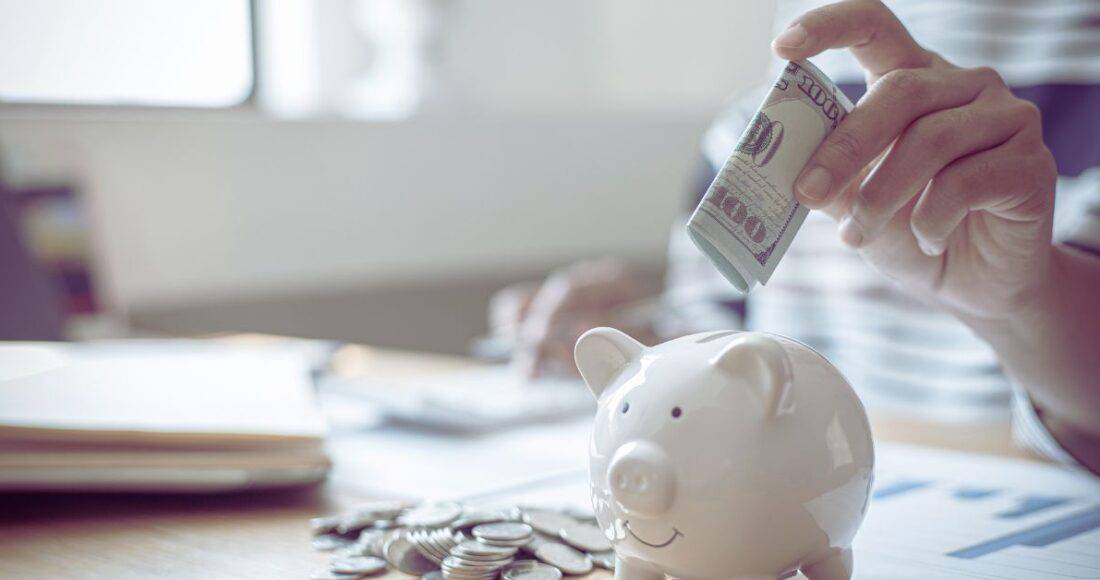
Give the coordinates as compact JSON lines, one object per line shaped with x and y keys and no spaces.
{"x":543,"y":320}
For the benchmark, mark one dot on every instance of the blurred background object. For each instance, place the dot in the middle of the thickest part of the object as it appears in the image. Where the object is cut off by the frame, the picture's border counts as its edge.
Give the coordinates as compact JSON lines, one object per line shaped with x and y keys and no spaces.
{"x":362,"y":170}
{"x":30,"y":306}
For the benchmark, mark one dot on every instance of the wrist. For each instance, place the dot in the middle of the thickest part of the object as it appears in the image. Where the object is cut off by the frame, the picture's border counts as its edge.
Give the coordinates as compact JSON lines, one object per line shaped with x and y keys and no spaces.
{"x":1028,"y":309}
{"x":1045,"y":342}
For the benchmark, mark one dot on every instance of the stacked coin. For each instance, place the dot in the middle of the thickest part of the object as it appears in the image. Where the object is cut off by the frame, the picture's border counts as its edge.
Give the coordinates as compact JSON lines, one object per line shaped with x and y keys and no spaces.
{"x":435,"y":545}
{"x":506,"y":534}
{"x":528,"y":570}
{"x":449,"y":541}
{"x":476,"y":560}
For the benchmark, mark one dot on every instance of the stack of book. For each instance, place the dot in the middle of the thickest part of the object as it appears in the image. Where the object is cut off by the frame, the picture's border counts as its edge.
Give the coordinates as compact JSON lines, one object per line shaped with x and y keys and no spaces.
{"x":157,"y":416}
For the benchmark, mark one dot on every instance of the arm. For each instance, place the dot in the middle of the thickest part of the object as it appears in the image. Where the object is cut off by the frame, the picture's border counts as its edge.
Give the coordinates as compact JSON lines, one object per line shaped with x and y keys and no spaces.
{"x":1051,"y":347}
{"x":940,"y":179}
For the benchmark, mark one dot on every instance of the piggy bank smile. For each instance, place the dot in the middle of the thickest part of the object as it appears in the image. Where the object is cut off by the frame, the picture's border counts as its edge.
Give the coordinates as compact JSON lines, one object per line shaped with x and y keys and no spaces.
{"x":724,"y":455}
{"x":672,"y":538}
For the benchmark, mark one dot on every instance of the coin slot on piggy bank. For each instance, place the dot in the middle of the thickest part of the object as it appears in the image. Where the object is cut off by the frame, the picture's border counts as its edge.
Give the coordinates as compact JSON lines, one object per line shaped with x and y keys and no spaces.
{"x":725,"y":455}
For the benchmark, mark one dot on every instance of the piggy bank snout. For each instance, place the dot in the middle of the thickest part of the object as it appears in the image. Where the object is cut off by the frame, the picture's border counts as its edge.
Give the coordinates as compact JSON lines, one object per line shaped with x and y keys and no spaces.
{"x":640,"y":478}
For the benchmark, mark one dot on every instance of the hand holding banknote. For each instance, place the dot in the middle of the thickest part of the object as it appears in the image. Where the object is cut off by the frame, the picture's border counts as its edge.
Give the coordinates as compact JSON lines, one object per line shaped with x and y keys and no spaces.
{"x":939,"y":176}
{"x":940,"y":179}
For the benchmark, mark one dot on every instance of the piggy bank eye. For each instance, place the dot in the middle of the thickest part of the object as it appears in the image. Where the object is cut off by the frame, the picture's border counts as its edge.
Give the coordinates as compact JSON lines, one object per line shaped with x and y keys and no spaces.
{"x":626,"y":407}
{"x":676,"y":412}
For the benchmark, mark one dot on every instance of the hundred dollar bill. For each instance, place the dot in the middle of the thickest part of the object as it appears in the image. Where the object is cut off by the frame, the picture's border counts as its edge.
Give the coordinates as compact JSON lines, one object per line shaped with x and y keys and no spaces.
{"x":749,"y":215}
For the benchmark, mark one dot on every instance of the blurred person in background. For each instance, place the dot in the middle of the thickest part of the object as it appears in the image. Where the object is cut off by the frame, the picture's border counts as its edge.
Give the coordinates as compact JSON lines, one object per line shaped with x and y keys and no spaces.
{"x":939,"y":265}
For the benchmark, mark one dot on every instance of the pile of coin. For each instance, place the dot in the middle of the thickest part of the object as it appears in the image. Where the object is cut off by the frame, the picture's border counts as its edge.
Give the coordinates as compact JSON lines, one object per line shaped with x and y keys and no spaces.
{"x":450,"y":541}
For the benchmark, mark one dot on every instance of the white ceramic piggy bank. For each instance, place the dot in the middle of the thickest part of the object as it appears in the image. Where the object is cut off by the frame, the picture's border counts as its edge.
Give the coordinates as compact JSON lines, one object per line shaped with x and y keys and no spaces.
{"x":725,"y":455}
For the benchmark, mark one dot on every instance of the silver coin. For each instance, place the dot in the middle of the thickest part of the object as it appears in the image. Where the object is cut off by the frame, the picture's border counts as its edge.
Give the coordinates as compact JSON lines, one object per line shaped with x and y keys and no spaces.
{"x":483,"y":560}
{"x":456,"y":565}
{"x":480,"y":548}
{"x":433,"y":575}
{"x":537,"y":540}
{"x":548,"y":522}
{"x":324,"y":525}
{"x":403,"y":555}
{"x":476,"y":567}
{"x":605,"y":560}
{"x":350,"y":551}
{"x":438,"y":542}
{"x":471,"y":519}
{"x":361,"y":565}
{"x":431,"y":515}
{"x":370,"y":542}
{"x":466,"y":575}
{"x":384,"y":509}
{"x":354,"y":522}
{"x":416,"y":538}
{"x":528,"y":570}
{"x":330,"y":575}
{"x":441,"y":542}
{"x":465,"y":552}
{"x":580,"y":514}
{"x":566,"y":559}
{"x":462,"y":574}
{"x":585,"y":537}
{"x":503,"y":532}
{"x":329,"y":542}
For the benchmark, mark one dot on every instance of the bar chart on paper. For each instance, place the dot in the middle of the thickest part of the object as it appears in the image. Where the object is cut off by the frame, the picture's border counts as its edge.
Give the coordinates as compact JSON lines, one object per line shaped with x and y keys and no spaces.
{"x":941,"y":515}
{"x":936,"y":514}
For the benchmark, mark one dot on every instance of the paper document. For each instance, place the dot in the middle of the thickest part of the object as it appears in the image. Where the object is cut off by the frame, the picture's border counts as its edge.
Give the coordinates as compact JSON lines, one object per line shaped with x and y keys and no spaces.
{"x":939,"y":515}
{"x":934,"y":514}
{"x":157,"y":416}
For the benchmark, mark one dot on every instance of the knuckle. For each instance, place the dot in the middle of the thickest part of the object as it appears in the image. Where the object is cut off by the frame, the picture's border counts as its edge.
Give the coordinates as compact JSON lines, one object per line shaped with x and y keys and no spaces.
{"x":821,"y":19}
{"x":1035,"y":182}
{"x":843,"y":148}
{"x":988,"y":76}
{"x":945,"y":183}
{"x":936,"y":135}
{"x":1028,"y":112}
{"x":905,"y":85}
{"x":874,"y":5}
{"x":1043,"y":169}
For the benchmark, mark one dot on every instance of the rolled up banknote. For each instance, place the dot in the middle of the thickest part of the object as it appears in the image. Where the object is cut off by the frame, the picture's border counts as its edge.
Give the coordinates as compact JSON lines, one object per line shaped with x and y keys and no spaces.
{"x":749,"y":215}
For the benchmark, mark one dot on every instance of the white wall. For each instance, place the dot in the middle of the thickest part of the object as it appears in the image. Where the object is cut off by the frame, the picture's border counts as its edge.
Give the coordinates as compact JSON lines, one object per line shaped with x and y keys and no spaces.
{"x":551,"y":148}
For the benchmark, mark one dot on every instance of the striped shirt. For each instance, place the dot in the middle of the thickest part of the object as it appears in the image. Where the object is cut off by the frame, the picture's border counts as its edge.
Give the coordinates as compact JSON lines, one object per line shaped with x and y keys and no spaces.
{"x":895,"y":350}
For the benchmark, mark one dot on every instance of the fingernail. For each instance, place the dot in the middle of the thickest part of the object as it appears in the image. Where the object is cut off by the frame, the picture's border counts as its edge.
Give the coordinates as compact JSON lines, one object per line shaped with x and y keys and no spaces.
{"x":792,"y":37}
{"x":850,"y":232}
{"x":814,"y":184}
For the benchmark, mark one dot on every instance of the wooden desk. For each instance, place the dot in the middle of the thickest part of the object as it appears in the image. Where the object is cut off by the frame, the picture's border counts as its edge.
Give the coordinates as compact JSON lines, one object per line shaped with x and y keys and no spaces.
{"x":265,"y":535}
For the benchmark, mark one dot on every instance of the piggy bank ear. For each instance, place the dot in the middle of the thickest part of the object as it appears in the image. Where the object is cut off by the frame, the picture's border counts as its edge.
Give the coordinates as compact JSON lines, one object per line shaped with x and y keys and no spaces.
{"x":762,"y":362}
{"x":601,"y":353}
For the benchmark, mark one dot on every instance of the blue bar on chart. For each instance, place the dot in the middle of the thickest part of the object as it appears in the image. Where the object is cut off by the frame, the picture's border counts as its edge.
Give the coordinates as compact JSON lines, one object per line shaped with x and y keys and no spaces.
{"x":899,"y":488}
{"x":1031,"y":504}
{"x":975,"y":493}
{"x":1037,"y":536}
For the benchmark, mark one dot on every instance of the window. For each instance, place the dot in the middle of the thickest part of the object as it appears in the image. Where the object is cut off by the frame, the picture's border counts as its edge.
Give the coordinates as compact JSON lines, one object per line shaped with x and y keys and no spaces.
{"x":183,"y":53}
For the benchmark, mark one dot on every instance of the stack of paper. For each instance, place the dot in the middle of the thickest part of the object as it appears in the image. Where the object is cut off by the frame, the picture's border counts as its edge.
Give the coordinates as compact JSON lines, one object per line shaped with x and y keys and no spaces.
{"x":173,"y":416}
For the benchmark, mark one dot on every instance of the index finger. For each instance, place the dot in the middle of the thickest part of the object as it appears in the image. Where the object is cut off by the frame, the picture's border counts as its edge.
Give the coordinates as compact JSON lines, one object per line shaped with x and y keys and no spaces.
{"x":875,"y":36}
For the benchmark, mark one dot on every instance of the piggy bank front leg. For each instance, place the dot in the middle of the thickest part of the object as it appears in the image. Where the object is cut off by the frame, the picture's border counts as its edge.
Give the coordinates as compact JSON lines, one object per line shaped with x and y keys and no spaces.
{"x":634,"y":571}
{"x":837,"y":566}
